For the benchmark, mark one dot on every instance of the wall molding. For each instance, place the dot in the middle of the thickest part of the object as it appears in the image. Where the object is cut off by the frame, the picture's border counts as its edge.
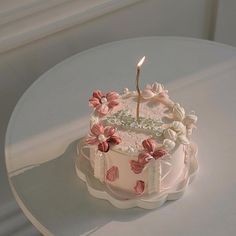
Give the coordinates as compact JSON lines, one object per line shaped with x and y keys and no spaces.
{"x":225,"y":23}
{"x":35,"y":19}
{"x":14,"y":9}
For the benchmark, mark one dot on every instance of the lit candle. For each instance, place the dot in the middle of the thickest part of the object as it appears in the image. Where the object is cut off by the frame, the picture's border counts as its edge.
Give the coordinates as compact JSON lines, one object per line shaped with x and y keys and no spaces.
{"x":137,"y":87}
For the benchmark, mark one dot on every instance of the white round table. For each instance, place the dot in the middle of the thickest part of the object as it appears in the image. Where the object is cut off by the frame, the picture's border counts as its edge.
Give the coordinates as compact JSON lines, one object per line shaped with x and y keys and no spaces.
{"x":53,"y":113}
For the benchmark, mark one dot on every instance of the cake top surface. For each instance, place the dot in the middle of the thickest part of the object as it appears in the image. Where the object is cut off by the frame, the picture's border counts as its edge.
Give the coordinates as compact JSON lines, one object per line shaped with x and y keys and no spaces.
{"x":114,"y":123}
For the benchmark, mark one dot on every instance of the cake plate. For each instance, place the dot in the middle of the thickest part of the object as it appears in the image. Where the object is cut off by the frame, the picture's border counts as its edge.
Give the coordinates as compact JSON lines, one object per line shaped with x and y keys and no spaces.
{"x":100,"y":190}
{"x":53,"y":113}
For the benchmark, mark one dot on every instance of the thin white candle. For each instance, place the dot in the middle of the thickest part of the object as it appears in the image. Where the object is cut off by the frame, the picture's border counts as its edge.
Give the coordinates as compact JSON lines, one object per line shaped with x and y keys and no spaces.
{"x":137,"y":87}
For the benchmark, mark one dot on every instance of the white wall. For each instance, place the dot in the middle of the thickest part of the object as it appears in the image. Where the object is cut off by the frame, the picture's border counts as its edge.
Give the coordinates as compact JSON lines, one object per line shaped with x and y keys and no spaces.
{"x":21,"y":66}
{"x":226,"y":22}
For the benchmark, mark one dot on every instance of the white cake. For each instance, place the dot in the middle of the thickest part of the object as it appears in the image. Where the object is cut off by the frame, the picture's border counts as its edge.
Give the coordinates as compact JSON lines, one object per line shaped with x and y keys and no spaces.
{"x":138,"y":157}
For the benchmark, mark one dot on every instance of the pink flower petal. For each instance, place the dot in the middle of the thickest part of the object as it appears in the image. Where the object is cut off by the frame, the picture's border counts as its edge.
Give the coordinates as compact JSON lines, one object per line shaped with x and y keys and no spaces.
{"x":97,"y":129}
{"x":149,"y":87}
{"x":139,"y":187}
{"x":156,"y":87}
{"x":114,"y":139}
{"x":147,"y":94}
{"x":149,"y":144}
{"x":97,"y":94}
{"x":136,"y":166}
{"x":112,"y":104}
{"x":112,"y":174}
{"x":142,"y":158}
{"x":102,"y":109}
{"x":112,"y":96}
{"x":92,"y":140}
{"x":162,"y":94}
{"x":94,"y":102}
{"x":109,"y":131}
{"x":159,"y":153}
{"x":103,"y":147}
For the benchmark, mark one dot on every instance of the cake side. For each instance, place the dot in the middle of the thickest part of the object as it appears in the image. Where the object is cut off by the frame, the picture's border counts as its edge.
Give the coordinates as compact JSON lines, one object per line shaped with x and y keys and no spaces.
{"x":171,"y":169}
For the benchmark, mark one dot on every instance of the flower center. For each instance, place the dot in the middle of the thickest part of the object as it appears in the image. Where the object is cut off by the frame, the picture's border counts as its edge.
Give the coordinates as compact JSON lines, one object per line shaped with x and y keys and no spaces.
{"x":103,"y":100}
{"x":101,"y":138}
{"x":148,"y":158}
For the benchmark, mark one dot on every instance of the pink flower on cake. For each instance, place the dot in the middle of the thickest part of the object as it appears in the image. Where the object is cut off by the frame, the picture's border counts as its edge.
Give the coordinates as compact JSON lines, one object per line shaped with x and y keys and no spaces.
{"x":102,"y":136}
{"x":103,"y":103}
{"x":136,"y":166}
{"x":112,"y":174}
{"x":154,"y":90}
{"x":150,"y":151}
{"x":139,"y":187}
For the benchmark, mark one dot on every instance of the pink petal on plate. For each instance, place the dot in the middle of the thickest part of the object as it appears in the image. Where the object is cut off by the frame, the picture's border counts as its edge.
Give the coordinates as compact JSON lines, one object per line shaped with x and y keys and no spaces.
{"x":112,"y":104}
{"x":146,"y":94}
{"x":114,"y":139}
{"x":109,"y":131}
{"x":103,"y":147}
{"x":139,"y":187}
{"x":136,"y":166}
{"x":143,"y":158}
{"x":102,"y":109}
{"x":91,"y":140}
{"x":149,"y":144}
{"x":112,"y":174}
{"x":94,"y":102}
{"x":97,"y":94}
{"x":159,"y":153}
{"x":112,"y":96}
{"x":97,"y":129}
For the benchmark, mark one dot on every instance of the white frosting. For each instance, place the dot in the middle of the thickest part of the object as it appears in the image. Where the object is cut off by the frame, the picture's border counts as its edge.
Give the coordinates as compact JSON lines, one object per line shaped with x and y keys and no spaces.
{"x":131,"y":141}
{"x":170,"y":134}
{"x":190,"y":119}
{"x":168,"y":144}
{"x":178,"y":112}
{"x":183,"y":139}
{"x":178,"y":127}
{"x":93,"y":120}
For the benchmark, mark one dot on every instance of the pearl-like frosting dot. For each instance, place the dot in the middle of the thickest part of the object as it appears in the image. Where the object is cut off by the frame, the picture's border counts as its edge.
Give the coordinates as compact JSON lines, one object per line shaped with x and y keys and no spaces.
{"x":103,"y":100}
{"x":101,"y":138}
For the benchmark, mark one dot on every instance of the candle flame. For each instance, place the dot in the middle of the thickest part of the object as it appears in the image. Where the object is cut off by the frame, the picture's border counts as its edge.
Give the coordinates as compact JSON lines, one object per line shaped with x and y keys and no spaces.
{"x":141,"y":62}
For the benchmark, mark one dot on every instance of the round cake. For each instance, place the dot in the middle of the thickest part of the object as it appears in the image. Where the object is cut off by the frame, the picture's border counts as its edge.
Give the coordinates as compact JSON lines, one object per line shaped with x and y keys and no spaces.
{"x":138,"y":155}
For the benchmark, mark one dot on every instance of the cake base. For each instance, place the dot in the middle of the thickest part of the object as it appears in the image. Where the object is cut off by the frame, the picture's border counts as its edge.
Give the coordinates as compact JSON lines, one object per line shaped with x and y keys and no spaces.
{"x":101,"y":191}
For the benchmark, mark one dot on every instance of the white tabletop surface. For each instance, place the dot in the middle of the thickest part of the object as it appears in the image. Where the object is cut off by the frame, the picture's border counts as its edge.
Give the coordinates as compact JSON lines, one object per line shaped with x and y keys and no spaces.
{"x":53,"y":114}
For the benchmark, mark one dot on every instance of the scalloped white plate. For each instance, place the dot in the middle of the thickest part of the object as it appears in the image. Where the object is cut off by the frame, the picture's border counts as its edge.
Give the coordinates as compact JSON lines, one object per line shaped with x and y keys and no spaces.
{"x":99,"y":190}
